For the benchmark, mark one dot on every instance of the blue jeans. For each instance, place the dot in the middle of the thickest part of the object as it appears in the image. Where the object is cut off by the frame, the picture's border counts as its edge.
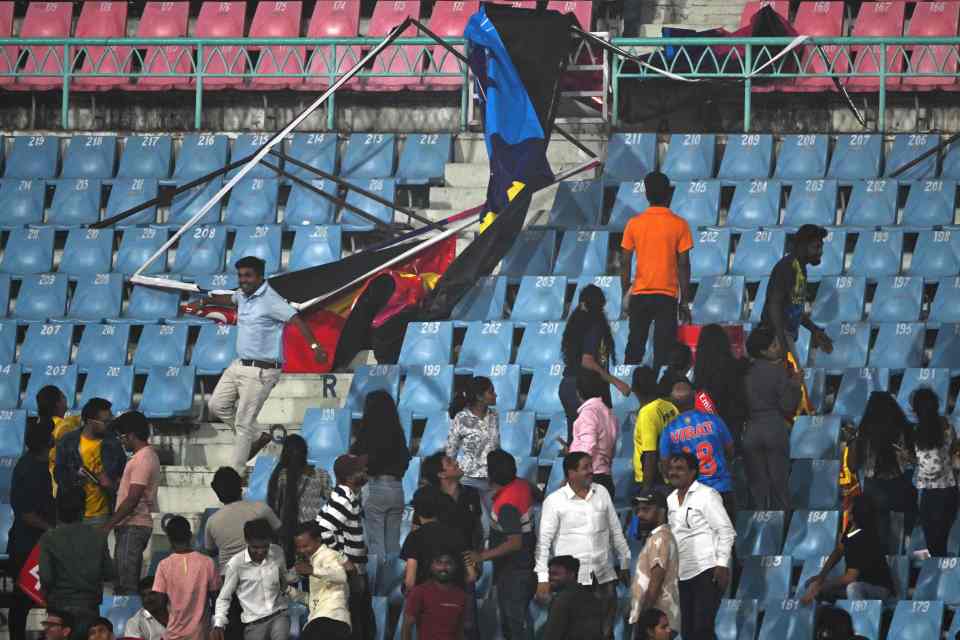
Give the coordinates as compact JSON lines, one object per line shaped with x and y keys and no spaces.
{"x":515,"y":589}
{"x":383,"y":508}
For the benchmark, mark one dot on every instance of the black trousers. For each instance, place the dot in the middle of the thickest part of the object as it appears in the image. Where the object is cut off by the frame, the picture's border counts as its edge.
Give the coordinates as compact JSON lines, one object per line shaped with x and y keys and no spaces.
{"x":699,"y":603}
{"x":20,"y":604}
{"x":606,"y":481}
{"x":938,"y":510}
{"x":325,"y":629}
{"x":662,"y":312}
{"x":234,"y":630}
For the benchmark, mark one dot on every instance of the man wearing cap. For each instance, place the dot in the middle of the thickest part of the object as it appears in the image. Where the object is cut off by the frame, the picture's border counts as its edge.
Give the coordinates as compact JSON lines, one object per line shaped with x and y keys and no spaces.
{"x":784,"y":308}
{"x":655,"y":577}
{"x":136,"y":500}
{"x":246,"y":383}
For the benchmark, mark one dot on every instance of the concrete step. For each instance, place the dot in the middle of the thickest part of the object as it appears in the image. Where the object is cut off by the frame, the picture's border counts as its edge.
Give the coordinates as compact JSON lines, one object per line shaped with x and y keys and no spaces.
{"x":477,"y":174}
{"x":472,"y":148}
{"x":295,"y":393}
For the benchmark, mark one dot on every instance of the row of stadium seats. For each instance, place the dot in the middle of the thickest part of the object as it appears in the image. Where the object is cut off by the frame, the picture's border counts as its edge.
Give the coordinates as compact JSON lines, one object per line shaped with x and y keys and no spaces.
{"x":271,"y":69}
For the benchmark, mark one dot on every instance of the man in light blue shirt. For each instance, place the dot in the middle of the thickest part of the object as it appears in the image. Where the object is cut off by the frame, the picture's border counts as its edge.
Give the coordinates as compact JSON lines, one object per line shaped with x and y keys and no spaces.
{"x":246,"y":383}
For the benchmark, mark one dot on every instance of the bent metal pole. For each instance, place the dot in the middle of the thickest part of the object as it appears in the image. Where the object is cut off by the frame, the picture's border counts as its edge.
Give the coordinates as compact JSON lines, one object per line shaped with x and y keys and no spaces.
{"x":272,"y":142}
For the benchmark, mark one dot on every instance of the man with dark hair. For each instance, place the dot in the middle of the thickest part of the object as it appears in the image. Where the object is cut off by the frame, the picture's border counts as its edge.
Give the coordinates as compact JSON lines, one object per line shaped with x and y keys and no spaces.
{"x":328,"y":570}
{"x":224,"y":530}
{"x":74,"y":562}
{"x":655,"y":574}
{"x":150,"y":621}
{"x":59,"y":624}
{"x":100,"y":629}
{"x":704,"y":538}
{"x":436,"y":606}
{"x":440,"y":470}
{"x":662,"y":241}
{"x":654,"y":415}
{"x":579,"y":519}
{"x":431,"y":507}
{"x":136,"y":500}
{"x":575,"y":612}
{"x":246,"y":383}
{"x":188,"y":578}
{"x":51,"y":403}
{"x":92,"y":458}
{"x":785,"y":305}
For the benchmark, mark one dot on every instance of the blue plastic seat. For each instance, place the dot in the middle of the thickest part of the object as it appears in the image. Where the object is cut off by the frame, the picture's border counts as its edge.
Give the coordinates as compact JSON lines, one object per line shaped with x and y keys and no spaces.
{"x":188,"y":203}
{"x":906,"y":148}
{"x":306,"y":208}
{"x":710,"y":254}
{"x":435,"y":433}
{"x":424,"y":158}
{"x":873,"y":203}
{"x":369,"y":155}
{"x":46,"y":344}
{"x":42,"y":297}
{"x":90,"y":156}
{"x":936,"y":254}
{"x":87,"y":252}
{"x":936,"y":379}
{"x":539,"y":298}
{"x":97,"y":298}
{"x":28,"y":251}
{"x":259,"y":478}
{"x":314,"y":246}
{"x":263,"y":241}
{"x":816,"y":382}
{"x":802,"y":156}
{"x":371,"y":378}
{"x":327,"y":432}
{"x":201,"y":251}
{"x":484,"y":301}
{"x":112,"y":383}
{"x":248,"y":144}
{"x":149,"y":305}
{"x":813,"y":485}
{"x":815,"y":438}
{"x":897,"y":299}
{"x":532,"y":253}
{"x":856,"y":157}
{"x":146,"y":156}
{"x":946,"y":349}
{"x":865,"y":615}
{"x":951,"y":162}
{"x":33,"y":157}
{"x":812,"y":534}
{"x":10,"y":375}
{"x":425,"y":389}
{"x":623,"y":481}
{"x":582,"y":253}
{"x":877,"y":254}
{"x":168,"y":392}
{"x":930,"y":203}
{"x":787,"y":620}
{"x":631,"y":200}
{"x":832,"y":261}
{"x":516,"y":433}
{"x":383,"y":187}
{"x":719,"y":299}
{"x":316,"y":149}
{"x":899,"y":345}
{"x":690,"y":156}
{"x":812,"y":567}
{"x":253,"y":201}
{"x":630,"y":156}
{"x":217,"y":281}
{"x":486,"y":343}
{"x":390,"y":579}
{"x":410,"y":481}
{"x":623,"y":405}
{"x":856,"y":385}
{"x":200,"y":154}
{"x":939,"y":579}
{"x":839,"y":299}
{"x":6,"y":476}
{"x":946,"y":302}
{"x":612,"y":291}
{"x":76,"y":202}
{"x":12,"y":427}
{"x":161,"y":345}
{"x":736,"y":620}
{"x":101,"y":345}
{"x":916,"y":620}
{"x":8,"y":341}
{"x":757,"y":253}
{"x":756,"y":203}
{"x":759,"y":299}
{"x":765,"y":578}
{"x":759,"y":533}
{"x":427,"y":343}
{"x":137,"y":245}
{"x":697,"y":202}
{"x":811,"y":202}
{"x":556,"y":431}
{"x":577,"y":204}
{"x":540,"y":345}
{"x":850,"y":343}
{"x":746,"y":156}
{"x":119,"y":609}
{"x":62,"y":376}
{"x":22,"y":202}
{"x":215,"y":349}
{"x":543,"y":398}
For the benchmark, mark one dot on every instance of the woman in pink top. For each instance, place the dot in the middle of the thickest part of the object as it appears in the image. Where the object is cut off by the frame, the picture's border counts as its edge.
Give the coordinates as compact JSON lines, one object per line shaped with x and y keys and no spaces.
{"x":595,"y":430}
{"x":187,"y":577}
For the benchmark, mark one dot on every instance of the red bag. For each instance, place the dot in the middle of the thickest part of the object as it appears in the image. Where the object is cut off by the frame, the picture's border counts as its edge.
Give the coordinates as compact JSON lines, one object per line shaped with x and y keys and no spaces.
{"x":29,"y":579}
{"x":688,"y":334}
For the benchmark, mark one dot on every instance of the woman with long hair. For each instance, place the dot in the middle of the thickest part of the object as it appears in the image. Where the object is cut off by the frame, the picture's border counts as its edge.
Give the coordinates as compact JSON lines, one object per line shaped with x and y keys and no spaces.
{"x":587,"y":345}
{"x":653,"y":625}
{"x":933,"y":444}
{"x":52,"y":404}
{"x":474,"y":432}
{"x":382,"y":441}
{"x":718,"y":373}
{"x":302,"y":504}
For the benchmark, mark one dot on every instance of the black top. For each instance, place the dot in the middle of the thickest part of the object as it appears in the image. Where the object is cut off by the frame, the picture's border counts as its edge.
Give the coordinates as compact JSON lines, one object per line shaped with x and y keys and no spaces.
{"x":592,"y":343}
{"x":575,"y":614}
{"x":728,"y":392}
{"x":426,"y":540}
{"x":788,"y":283}
{"x":385,"y":455}
{"x":862,"y":551}
{"x":31,"y":491}
{"x":467,"y":517}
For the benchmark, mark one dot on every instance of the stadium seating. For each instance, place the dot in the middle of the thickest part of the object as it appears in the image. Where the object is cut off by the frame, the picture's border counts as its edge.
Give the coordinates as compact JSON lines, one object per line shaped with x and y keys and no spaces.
{"x":22,"y":202}
{"x":865,"y":614}
{"x":839,"y":299}
{"x":201,"y":251}
{"x":245,"y":145}
{"x":577,"y":204}
{"x":369,"y":155}
{"x":215,"y":349}
{"x":327,"y":432}
{"x":33,"y":156}
{"x":150,"y":305}
{"x":690,"y":156}
{"x":543,"y":398}
{"x":42,"y":297}
{"x":856,"y":157}
{"x":12,"y":426}
{"x":719,"y":299}
{"x":540,"y":346}
{"x":62,"y":376}
{"x":756,"y":203}
{"x":87,"y":252}
{"x":332,"y":20}
{"x":765,"y":578}
{"x":539,"y":298}
{"x":112,"y":383}
{"x":263,"y":241}
{"x":834,"y":256}
{"x":946,"y":303}
{"x":90,"y":156}
{"x":424,"y":158}
{"x":10,"y":375}
{"x":899,"y":345}
{"x":710,"y":254}
{"x":946,"y":349}
{"x":916,"y":619}
{"x":76,"y":202}
{"x":897,"y":298}
{"x":802,"y":157}
{"x":936,"y":254}
{"x":217,"y":281}
{"x":932,"y":20}
{"x":812,"y":567}
{"x":221,"y":20}
{"x":815,"y":380}
{"x":371,"y":378}
{"x":813,"y":485}
{"x":168,"y":392}
{"x":8,"y":341}
{"x":876,"y":20}
{"x":146,"y":156}
{"x":46,"y":344}
{"x":435,"y":434}
{"x":582,"y":253}
{"x":856,"y":385}
{"x":427,"y":343}
{"x":201,"y":154}
{"x":736,"y":620}
{"x":815,"y":438}
{"x":746,"y":156}
{"x":383,"y":187}
{"x":136,"y":246}
{"x":759,"y":533}
{"x":850,"y":344}
{"x":411,"y":480}
{"x":485,"y":300}
{"x":8,"y":55}
{"x":906,"y":148}
{"x":103,"y":345}
{"x":163,"y":20}
{"x":314,"y":246}
{"x":630,"y":200}
{"x":44,"y":20}
{"x":812,"y":534}
{"x":253,"y":201}
{"x":532,"y":252}
{"x":307,"y":208}
{"x":188,"y":203}
{"x":939,"y":579}
{"x":426,"y":388}
{"x":823,"y":19}
{"x":28,"y":251}
{"x":277,"y":66}
{"x":913,"y":379}
{"x":877,"y":254}
{"x":398,"y":59}
{"x":556,"y":430}
{"x":96,"y":298}
{"x":612,"y":292}
{"x":161,"y":345}
{"x":516,"y":433}
{"x":757,"y":253}
{"x":319,"y":150}
{"x":811,"y":202}
{"x":697,"y":202}
{"x":873,"y":203}
{"x":447,"y":19}
{"x":630,"y":156}
{"x":259,"y":478}
{"x":929,"y":204}
{"x":127,"y":193}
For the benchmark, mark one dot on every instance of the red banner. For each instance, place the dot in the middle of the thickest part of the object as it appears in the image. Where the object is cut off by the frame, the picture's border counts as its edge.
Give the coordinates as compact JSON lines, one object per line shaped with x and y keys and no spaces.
{"x":29,"y":579}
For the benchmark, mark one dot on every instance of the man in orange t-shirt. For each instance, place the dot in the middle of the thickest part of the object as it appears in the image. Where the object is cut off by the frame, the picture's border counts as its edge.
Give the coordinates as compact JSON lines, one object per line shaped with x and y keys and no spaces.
{"x":662,"y":241}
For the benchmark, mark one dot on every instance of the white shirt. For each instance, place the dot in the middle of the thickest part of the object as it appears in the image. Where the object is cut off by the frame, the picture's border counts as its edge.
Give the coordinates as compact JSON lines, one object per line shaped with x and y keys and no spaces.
{"x":702,"y":529}
{"x":261,"y":588}
{"x":585,"y":528}
{"x":144,"y":626}
{"x":329,"y":591}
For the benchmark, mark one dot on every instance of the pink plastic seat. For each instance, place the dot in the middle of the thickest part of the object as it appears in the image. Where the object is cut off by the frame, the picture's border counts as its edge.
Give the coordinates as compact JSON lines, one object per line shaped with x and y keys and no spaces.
{"x":824,"y":19}
{"x":8,"y":55}
{"x":103,"y":20}
{"x":164,"y":20}
{"x":518,"y":4}
{"x":877,"y":19}
{"x":447,"y":21}
{"x":750,"y":9}
{"x":221,"y":20}
{"x":45,"y":20}
{"x":332,"y":20}
{"x":933,"y":19}
{"x":277,"y":20}
{"x":394,"y":59}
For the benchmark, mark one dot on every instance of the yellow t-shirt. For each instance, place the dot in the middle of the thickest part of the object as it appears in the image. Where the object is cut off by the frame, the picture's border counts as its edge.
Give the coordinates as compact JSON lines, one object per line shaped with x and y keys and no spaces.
{"x":96,"y":498}
{"x":61,"y":427}
{"x":651,"y":420}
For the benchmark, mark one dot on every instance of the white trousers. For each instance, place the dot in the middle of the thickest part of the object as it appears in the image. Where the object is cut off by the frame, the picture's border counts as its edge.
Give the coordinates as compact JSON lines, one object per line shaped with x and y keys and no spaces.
{"x":237,"y":400}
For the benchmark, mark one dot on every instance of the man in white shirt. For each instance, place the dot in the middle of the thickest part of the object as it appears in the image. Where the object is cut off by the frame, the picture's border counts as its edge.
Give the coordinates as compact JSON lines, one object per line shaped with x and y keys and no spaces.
{"x":258,"y":577}
{"x":150,"y":621}
{"x":705,"y":540}
{"x":579,"y":520}
{"x":328,"y":572}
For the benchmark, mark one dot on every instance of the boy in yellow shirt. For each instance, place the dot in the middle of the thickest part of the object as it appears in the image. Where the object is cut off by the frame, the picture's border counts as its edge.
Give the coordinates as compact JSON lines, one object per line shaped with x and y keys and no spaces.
{"x":655,"y":413}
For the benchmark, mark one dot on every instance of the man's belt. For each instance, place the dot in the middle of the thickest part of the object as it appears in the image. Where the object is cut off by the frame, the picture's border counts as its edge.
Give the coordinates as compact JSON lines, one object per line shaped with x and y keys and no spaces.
{"x":262,"y":364}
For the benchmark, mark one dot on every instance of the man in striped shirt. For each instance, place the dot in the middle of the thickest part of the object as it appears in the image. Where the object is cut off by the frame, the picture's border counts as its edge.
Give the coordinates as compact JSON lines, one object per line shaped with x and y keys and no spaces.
{"x":341,"y":523}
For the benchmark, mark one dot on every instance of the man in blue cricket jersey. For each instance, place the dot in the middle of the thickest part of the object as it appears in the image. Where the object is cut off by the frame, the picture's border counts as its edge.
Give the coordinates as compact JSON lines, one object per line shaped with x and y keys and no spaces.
{"x":706,"y":436}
